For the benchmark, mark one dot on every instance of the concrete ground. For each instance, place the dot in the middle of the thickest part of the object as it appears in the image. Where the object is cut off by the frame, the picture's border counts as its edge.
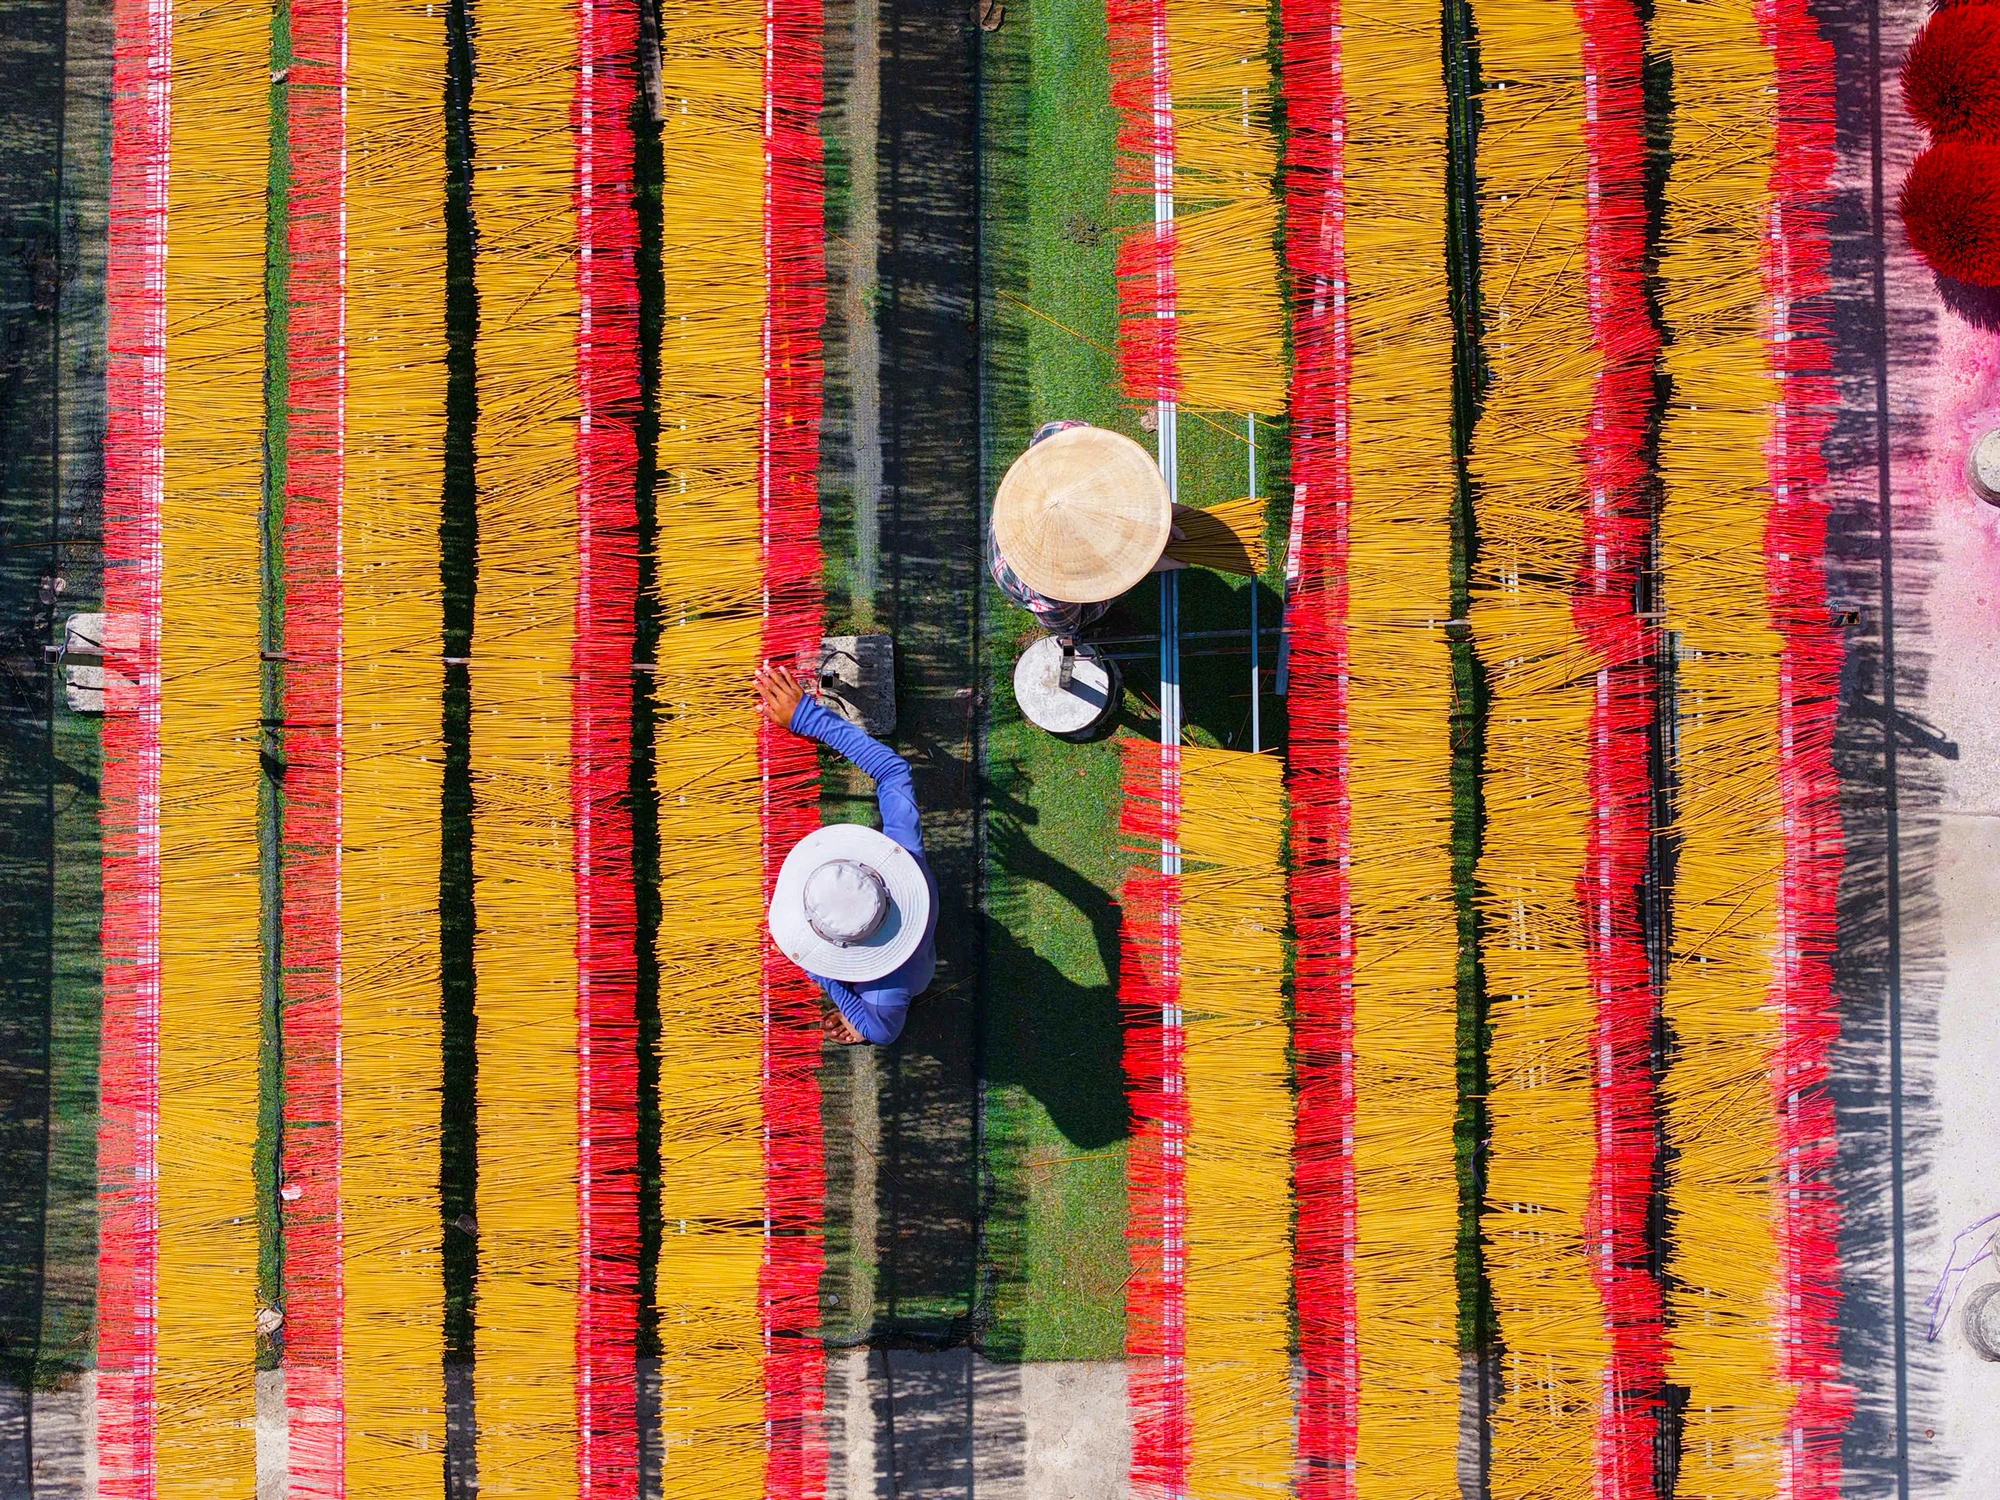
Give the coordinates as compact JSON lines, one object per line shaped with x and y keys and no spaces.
{"x":917,"y":1423}
{"x":65,"y":1439}
{"x":907,"y":1424}
{"x":1954,"y":1415}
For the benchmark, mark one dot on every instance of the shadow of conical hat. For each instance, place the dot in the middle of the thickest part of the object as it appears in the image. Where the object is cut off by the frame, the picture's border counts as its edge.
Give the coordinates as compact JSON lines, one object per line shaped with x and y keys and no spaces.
{"x":1083,"y":515}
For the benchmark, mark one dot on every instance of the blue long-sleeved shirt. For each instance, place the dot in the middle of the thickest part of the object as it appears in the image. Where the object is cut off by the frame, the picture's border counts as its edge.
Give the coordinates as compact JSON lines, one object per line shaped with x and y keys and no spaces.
{"x":877,"y":1010}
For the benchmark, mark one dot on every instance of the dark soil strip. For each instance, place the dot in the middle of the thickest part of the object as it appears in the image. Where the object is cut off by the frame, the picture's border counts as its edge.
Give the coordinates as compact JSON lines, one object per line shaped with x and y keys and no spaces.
{"x":458,"y":541}
{"x":850,"y":420}
{"x":929,"y":597}
{"x":31,"y":76}
{"x":850,"y":458}
{"x":645,"y":808}
{"x":1663,"y":848}
{"x":69,"y":1289}
{"x":1468,"y":712}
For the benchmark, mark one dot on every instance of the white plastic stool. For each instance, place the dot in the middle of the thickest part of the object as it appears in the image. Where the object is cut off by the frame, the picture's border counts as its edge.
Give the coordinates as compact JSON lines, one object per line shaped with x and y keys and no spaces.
{"x":1071,"y":692}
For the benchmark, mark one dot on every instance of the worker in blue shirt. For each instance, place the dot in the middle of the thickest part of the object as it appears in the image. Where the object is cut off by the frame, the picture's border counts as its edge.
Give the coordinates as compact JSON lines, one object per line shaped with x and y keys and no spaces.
{"x":856,"y":909}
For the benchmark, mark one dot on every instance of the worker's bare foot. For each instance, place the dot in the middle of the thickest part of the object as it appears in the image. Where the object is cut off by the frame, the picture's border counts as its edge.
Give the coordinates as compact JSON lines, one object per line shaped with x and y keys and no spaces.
{"x":838,"y":1027}
{"x":780,"y":690}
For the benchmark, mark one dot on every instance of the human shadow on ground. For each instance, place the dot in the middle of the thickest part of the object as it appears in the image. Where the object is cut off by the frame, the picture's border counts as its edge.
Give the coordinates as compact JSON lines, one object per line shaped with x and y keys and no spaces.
{"x":1061,"y":1040}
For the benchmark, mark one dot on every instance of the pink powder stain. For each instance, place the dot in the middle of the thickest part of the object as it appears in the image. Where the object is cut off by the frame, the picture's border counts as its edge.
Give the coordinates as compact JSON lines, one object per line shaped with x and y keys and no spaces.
{"x":1966,"y":392}
{"x":1964,"y":380}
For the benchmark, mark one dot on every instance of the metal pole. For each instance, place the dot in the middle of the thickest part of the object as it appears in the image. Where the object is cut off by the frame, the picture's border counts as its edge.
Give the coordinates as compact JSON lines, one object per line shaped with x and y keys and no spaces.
{"x":1256,"y":696}
{"x":1170,"y":593}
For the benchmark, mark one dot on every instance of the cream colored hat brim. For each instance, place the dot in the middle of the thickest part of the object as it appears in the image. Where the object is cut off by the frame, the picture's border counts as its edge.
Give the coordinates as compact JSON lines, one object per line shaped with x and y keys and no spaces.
{"x":884,"y":951}
{"x":1082,"y":515}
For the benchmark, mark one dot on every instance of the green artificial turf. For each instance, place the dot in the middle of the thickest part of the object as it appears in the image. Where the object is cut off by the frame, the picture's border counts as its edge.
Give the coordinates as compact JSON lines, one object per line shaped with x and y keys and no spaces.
{"x":1055,"y":1106}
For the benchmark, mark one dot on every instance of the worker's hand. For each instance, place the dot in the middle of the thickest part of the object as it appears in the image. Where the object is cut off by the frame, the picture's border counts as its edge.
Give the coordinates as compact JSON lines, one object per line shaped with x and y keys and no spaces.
{"x":838,"y":1027}
{"x":780,"y":691}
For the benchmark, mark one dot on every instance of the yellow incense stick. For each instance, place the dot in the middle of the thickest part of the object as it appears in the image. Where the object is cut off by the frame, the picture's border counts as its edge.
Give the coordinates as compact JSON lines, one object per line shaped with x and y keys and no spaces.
{"x":1228,"y":537}
{"x":1717,"y":1097}
{"x":1238,"y":1163}
{"x":210,"y":523}
{"x":1399,"y":782}
{"x":393,"y":1341}
{"x":710,"y":572}
{"x":523,"y":630}
{"x":1529,"y":478}
{"x":1228,"y":320}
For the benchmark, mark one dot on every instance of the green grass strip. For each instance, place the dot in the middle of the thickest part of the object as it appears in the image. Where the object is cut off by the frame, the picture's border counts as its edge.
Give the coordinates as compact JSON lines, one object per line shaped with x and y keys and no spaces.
{"x":1055,"y":1119}
{"x":271,"y":690}
{"x":1054,"y":1266}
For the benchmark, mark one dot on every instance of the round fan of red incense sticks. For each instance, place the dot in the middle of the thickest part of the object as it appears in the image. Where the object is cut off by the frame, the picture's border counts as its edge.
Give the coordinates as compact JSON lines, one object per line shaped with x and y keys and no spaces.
{"x":1951,"y":210}
{"x":1951,"y":77}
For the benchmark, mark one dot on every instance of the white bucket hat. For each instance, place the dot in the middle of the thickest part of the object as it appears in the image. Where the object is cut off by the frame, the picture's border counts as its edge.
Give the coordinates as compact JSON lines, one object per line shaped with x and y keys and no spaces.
{"x":850,"y":904}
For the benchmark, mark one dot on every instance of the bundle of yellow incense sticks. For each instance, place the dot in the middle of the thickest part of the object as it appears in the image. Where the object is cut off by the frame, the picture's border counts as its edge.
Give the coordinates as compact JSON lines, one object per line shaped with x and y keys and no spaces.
{"x":1201,"y":315}
{"x":524,"y":946}
{"x":1370,"y":722}
{"x":710,"y":573}
{"x":1530,"y":483}
{"x":1236,"y":1161}
{"x":211,"y":513}
{"x":1724,"y":998}
{"x":392,"y":622}
{"x":1228,"y":537}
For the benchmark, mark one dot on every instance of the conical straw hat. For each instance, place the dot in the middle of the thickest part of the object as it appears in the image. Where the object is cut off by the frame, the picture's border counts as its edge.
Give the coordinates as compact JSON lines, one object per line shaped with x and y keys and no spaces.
{"x":1083,"y":515}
